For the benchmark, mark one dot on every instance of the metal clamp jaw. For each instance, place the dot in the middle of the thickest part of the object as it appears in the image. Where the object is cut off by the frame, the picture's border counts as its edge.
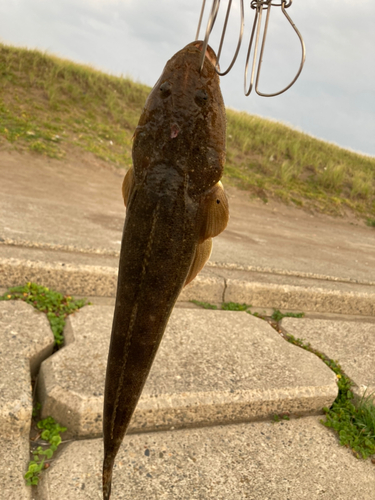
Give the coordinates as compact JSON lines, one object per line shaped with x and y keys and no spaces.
{"x":258,"y":6}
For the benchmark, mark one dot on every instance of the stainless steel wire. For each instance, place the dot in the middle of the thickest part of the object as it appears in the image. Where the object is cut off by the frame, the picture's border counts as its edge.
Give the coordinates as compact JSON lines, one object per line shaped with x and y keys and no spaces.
{"x":258,"y":6}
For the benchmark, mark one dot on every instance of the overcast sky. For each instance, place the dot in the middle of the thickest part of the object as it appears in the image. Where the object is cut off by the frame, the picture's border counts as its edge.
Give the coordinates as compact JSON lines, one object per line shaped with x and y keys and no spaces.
{"x":334,"y":98}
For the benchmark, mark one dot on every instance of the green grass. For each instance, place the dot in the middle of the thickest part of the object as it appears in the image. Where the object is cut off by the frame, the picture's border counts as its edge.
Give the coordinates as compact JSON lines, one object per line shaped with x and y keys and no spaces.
{"x":235,"y":306}
{"x":50,"y":105}
{"x":272,"y":160}
{"x":278,"y":316}
{"x":53,"y":107}
{"x":55,"y":305}
{"x":354,"y":423}
{"x":50,"y":433}
{"x":279,"y":418}
{"x":205,"y":305}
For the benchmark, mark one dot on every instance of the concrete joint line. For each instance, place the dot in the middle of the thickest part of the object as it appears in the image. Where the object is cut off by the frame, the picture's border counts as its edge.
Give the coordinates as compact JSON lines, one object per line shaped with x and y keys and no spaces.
{"x":25,"y":341}
{"x":53,"y":247}
{"x":224,"y":290}
{"x":283,"y":272}
{"x":213,"y":367}
{"x":101,"y":281}
{"x":303,"y":298}
{"x":352,"y":344}
{"x":67,"y":278}
{"x":211,"y":264}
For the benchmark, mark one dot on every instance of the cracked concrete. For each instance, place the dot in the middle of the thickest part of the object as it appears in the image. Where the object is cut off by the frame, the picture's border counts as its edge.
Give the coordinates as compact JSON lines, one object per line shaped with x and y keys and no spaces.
{"x":25,"y":340}
{"x":352,"y":344}
{"x":270,"y":256}
{"x":291,"y":460}
{"x":212,"y":367}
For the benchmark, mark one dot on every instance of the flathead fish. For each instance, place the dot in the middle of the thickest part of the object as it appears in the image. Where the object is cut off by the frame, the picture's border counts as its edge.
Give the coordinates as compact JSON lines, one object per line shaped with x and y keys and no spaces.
{"x":175,"y":205}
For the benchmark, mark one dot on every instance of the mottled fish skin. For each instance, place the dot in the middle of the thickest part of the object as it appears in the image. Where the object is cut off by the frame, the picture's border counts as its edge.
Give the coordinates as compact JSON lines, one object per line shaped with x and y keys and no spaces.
{"x":175,"y":205}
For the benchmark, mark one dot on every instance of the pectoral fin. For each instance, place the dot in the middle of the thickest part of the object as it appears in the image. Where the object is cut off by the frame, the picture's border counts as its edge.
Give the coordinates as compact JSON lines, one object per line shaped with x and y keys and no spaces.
{"x":214,"y":212}
{"x":127,"y":185}
{"x":214,"y":216}
{"x":202,"y":254}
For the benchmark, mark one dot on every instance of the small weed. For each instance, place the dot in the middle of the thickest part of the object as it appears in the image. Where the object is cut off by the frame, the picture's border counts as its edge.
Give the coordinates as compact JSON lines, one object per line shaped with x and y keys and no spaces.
{"x":234,"y":306}
{"x":298,"y":342}
{"x":370,"y":222}
{"x":332,"y":176}
{"x":38,"y":147}
{"x":278,"y":418}
{"x":205,"y":305}
{"x":36,"y":409}
{"x":299,"y":203}
{"x":355,"y":425}
{"x":51,"y":431}
{"x":226,"y":306}
{"x":278,"y":316}
{"x":55,"y":305}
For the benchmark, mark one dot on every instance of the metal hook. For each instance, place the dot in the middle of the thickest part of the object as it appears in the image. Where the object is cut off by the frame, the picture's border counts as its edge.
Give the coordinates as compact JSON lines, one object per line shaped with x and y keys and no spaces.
{"x":258,"y":6}
{"x":210,"y":25}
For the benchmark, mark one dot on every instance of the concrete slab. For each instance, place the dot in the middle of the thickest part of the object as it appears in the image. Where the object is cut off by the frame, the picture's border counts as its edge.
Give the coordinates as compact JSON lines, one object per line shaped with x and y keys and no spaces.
{"x":52,"y":190}
{"x":212,"y":367}
{"x":89,"y":273}
{"x":292,"y":460}
{"x":14,"y":456}
{"x":277,"y":236}
{"x":75,"y":278}
{"x":304,"y":298}
{"x":25,"y":340}
{"x":352,"y":344}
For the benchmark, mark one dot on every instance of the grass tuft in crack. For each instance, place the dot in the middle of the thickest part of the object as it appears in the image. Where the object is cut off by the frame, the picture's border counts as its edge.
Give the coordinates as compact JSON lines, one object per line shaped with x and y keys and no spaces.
{"x":205,"y":305}
{"x":55,"y":305}
{"x":50,"y":433}
{"x":234,"y":306}
{"x":278,"y":418}
{"x":278,"y":316}
{"x":354,"y":423}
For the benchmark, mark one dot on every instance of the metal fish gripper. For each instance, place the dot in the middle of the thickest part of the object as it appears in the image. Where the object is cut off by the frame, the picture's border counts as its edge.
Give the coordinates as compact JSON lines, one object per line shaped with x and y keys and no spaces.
{"x":255,"y":42}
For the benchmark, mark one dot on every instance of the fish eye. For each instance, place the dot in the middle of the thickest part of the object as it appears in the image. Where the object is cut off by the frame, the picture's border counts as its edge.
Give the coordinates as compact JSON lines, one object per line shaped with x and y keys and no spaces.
{"x":165,"y":89}
{"x":201,"y":97}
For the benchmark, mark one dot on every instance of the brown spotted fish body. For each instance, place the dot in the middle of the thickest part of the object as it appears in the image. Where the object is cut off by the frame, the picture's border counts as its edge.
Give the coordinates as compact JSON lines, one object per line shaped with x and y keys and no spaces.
{"x":175,"y":205}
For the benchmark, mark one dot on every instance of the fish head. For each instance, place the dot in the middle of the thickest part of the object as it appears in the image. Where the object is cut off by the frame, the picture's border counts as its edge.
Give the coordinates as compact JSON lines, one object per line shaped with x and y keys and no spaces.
{"x":183,"y":124}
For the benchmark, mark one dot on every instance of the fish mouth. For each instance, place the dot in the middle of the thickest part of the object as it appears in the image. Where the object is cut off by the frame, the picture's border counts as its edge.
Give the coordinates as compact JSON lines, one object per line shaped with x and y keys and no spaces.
{"x":210,"y":54}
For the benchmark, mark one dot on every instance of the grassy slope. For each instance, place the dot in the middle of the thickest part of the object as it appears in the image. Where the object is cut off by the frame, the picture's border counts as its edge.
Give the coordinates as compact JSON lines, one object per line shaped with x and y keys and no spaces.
{"x":49,"y":106}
